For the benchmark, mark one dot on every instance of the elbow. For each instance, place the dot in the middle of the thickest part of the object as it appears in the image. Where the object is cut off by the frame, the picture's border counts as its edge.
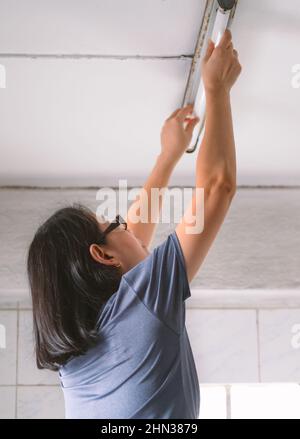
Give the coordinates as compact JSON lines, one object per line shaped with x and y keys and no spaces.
{"x":225,"y":185}
{"x":230,"y":188}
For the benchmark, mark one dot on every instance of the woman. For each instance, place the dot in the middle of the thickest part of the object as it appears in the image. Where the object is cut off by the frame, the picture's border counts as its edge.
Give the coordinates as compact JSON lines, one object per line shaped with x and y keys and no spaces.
{"x":109,"y":316}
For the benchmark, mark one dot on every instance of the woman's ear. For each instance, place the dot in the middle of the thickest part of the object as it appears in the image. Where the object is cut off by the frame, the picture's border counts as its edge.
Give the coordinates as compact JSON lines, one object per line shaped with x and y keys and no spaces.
{"x":99,"y":255}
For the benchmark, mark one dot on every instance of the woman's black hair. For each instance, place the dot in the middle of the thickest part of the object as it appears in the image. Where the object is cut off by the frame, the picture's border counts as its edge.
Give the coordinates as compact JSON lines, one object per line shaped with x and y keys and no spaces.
{"x":68,"y":287}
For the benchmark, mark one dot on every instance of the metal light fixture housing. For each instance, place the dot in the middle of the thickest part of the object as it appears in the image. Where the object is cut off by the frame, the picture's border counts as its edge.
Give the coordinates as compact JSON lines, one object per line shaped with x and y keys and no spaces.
{"x":218,"y":16}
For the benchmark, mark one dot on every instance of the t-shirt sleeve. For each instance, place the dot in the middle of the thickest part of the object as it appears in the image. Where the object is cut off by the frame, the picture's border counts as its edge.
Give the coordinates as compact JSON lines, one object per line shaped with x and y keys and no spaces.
{"x":161,"y":283}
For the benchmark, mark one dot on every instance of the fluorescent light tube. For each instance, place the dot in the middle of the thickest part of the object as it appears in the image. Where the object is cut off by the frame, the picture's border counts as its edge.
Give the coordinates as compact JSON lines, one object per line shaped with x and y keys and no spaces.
{"x":221,"y":20}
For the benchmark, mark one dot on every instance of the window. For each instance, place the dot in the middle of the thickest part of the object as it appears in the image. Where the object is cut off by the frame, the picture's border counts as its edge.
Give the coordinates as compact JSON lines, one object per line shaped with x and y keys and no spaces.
{"x":250,"y":401}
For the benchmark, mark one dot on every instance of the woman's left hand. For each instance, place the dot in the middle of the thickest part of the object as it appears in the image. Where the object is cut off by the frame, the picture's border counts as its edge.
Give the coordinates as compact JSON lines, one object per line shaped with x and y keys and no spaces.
{"x":175,"y":137}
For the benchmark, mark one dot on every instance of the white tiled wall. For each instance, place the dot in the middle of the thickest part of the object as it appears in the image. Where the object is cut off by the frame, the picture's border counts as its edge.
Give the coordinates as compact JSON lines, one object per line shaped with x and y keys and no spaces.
{"x":224,"y":343}
{"x":25,"y":391}
{"x":8,"y":355}
{"x":8,"y":402}
{"x":40,"y":402}
{"x":280,"y":354}
{"x":28,"y":373}
{"x":230,"y":346}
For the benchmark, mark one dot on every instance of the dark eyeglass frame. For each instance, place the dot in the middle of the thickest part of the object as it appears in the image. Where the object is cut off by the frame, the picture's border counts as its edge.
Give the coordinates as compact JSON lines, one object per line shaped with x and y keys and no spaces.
{"x":114,"y":224}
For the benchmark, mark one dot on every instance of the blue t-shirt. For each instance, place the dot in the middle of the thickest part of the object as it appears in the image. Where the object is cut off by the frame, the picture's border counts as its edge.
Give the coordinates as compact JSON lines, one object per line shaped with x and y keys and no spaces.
{"x":143,"y":366}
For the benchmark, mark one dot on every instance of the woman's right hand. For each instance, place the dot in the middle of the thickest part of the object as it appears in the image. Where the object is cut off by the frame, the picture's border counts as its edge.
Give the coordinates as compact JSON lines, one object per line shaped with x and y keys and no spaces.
{"x":220,"y":65}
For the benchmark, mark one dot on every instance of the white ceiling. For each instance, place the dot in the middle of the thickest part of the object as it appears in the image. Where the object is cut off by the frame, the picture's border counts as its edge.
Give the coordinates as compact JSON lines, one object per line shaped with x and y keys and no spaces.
{"x":88,"y":108}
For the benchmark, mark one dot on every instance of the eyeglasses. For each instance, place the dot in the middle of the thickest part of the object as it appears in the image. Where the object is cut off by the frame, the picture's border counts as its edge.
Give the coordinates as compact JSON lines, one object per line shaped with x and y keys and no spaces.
{"x":114,"y":224}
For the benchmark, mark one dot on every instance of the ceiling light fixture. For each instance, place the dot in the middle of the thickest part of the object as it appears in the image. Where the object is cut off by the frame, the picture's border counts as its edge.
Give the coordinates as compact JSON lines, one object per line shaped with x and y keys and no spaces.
{"x":218,"y":15}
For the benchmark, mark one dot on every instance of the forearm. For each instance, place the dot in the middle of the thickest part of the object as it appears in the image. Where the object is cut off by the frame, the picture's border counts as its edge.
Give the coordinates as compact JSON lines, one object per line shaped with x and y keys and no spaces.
{"x":147,"y":207}
{"x":216,"y":157}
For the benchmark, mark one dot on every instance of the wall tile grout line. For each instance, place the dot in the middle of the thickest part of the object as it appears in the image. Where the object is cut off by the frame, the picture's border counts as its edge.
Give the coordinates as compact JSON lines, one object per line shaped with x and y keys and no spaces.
{"x":17,"y":363}
{"x":30,"y":385}
{"x":39,"y":385}
{"x":9,"y":309}
{"x":228,"y":401}
{"x":7,"y":385}
{"x":258,"y":346}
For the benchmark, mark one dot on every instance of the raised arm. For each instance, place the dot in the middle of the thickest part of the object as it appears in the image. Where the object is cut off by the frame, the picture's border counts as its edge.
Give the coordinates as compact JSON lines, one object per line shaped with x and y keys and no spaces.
{"x":174,"y":141}
{"x":216,"y":161}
